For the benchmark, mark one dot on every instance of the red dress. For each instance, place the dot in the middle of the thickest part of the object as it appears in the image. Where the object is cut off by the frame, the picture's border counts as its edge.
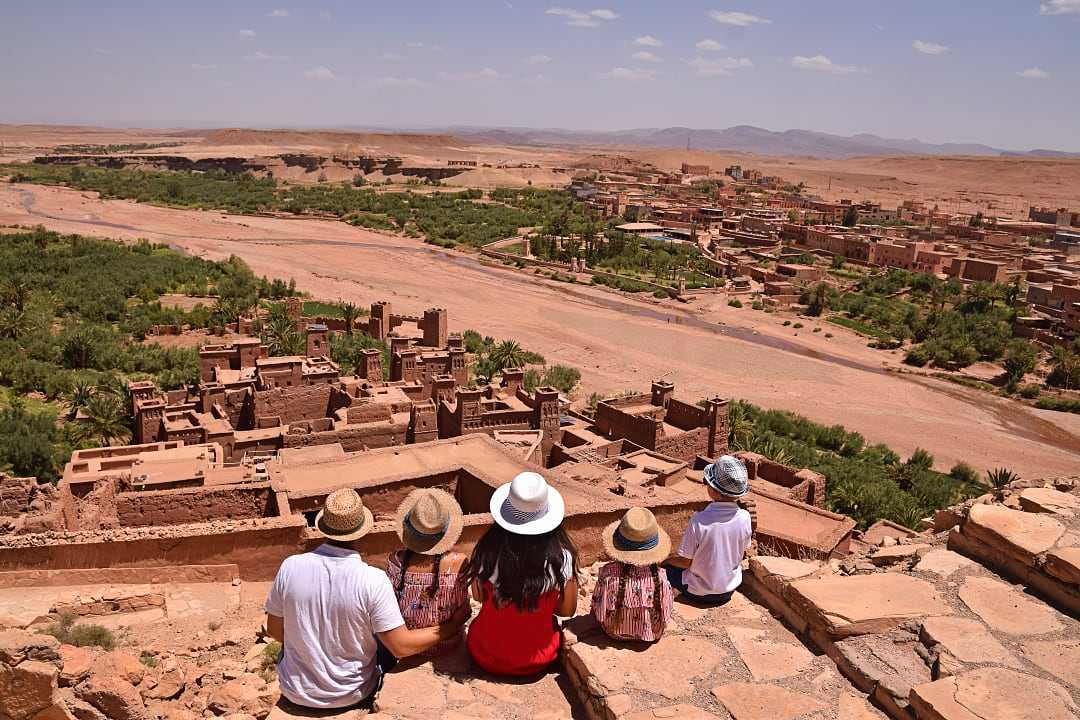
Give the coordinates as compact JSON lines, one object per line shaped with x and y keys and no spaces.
{"x":506,"y":641}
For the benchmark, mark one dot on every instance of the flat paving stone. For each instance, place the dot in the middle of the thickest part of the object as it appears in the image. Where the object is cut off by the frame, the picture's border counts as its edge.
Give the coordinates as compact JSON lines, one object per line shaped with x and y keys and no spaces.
{"x":1021,"y":534}
{"x":767,"y":660}
{"x":667,"y":667}
{"x":855,"y":605}
{"x":758,"y":701}
{"x":1006,"y":609}
{"x":967,"y":640}
{"x":943,"y":562}
{"x":856,"y":707}
{"x":897,"y":553}
{"x":679,"y":712}
{"x":1060,"y":658}
{"x":991,"y":693}
{"x":1048,"y":500}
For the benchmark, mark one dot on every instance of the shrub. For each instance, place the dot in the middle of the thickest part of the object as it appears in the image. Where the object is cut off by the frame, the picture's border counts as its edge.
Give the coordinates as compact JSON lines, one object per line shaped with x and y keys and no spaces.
{"x":1059,"y":404}
{"x":80,"y":635}
{"x":562,"y":378}
{"x":270,"y":656}
{"x":1030,"y":391}
{"x":798,"y":326}
{"x":757,"y":305}
{"x":787,"y":322}
{"x":735,"y":303}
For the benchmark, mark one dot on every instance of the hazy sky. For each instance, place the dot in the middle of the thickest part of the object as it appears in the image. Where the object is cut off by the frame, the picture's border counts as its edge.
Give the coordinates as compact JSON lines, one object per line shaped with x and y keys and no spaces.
{"x":1002,"y":72}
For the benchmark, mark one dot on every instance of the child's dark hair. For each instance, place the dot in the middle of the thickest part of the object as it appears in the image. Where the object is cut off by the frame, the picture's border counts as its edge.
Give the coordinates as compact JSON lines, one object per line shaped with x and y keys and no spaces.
{"x":405,"y":556}
{"x":525,"y":566}
{"x":620,"y":596}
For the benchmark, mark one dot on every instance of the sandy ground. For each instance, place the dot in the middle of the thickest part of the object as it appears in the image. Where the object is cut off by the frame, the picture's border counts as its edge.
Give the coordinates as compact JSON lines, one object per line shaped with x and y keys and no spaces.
{"x":618,"y":342}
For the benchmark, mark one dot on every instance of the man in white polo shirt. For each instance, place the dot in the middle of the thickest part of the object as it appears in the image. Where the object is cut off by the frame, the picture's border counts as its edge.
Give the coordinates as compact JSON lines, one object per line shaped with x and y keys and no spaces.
{"x":338,"y":618}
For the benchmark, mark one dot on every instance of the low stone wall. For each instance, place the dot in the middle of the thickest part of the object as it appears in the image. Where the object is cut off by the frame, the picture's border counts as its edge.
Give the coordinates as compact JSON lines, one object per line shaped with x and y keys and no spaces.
{"x":119,"y":576}
{"x":110,"y":602}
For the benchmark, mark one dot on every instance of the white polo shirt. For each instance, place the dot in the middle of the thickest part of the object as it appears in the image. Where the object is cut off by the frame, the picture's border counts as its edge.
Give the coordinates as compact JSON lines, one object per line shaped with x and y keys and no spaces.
{"x":715,"y":540}
{"x":333,"y":603}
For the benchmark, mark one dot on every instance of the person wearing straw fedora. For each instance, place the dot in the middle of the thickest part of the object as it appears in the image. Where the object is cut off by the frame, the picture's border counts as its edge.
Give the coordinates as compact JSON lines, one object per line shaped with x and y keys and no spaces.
{"x":524,"y":572}
{"x":633,"y":599}
{"x":337,"y":618}
{"x":427,"y":574}
{"x":708,"y":564}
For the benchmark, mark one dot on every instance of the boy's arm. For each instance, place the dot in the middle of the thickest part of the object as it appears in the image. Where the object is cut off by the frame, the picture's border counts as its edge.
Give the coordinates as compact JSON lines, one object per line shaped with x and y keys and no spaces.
{"x":678,"y":561}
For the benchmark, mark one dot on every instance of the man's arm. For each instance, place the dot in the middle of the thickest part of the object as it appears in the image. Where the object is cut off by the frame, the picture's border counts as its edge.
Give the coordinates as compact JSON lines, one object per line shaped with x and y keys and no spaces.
{"x":275,"y":627}
{"x":403,"y":642}
{"x":678,"y":561}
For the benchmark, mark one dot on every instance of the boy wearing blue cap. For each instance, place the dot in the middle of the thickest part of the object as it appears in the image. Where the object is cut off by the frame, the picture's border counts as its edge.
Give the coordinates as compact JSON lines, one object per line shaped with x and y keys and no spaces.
{"x":707,"y":567}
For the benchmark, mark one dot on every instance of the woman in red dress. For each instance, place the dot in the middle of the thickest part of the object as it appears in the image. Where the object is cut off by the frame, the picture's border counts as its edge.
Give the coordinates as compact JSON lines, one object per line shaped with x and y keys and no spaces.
{"x":524,"y":571}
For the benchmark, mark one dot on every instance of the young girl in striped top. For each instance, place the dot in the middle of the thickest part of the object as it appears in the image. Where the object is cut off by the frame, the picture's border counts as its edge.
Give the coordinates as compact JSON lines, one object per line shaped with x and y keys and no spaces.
{"x":633,"y":598}
{"x":428,"y":576}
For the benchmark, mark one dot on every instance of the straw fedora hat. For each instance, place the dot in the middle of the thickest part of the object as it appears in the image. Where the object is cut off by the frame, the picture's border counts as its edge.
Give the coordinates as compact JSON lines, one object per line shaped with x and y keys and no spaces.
{"x":527,"y":505}
{"x":429,"y":521}
{"x":637,"y":539}
{"x":344,"y":516}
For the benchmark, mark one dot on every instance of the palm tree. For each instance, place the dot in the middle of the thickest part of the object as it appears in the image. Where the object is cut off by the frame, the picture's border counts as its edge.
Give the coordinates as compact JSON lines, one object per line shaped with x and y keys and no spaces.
{"x":818,"y":300}
{"x":78,"y":397}
{"x":16,"y":292}
{"x":1064,"y":367}
{"x":506,"y":354}
{"x":281,"y":337}
{"x":740,"y":426}
{"x":105,"y":418}
{"x":349,"y":312}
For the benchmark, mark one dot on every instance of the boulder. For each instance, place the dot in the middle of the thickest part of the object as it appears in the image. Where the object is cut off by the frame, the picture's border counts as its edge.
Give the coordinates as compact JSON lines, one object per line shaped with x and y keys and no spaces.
{"x":78,"y":662}
{"x":246,"y":694}
{"x":1020,"y":535}
{"x":775,"y":571}
{"x":1006,"y":609}
{"x":897,"y":553}
{"x":842,"y":606}
{"x":991,"y":692}
{"x":121,"y":664}
{"x":114,"y":696}
{"x":27,"y":689}
{"x":19,"y":645}
{"x":165,"y":684}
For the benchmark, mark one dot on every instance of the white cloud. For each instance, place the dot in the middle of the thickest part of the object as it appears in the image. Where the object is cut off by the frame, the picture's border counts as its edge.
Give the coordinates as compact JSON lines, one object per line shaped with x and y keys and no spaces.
{"x":709,"y":46}
{"x":718,"y":66}
{"x":391,"y":57}
{"x":279,"y":12}
{"x":325,"y":15}
{"x":414,"y":44}
{"x":247,"y":33}
{"x":538,"y":59}
{"x":583,"y":18}
{"x":646,"y":56}
{"x":319,"y":73}
{"x":1034,"y":73}
{"x":538,"y":79}
{"x":259,"y":56}
{"x":1060,"y":7}
{"x":929,"y":48}
{"x":820,"y":63}
{"x":400,"y":82}
{"x":630,"y":74}
{"x":738,"y":19}
{"x":200,"y":67}
{"x":648,"y":41}
{"x":483,"y":75}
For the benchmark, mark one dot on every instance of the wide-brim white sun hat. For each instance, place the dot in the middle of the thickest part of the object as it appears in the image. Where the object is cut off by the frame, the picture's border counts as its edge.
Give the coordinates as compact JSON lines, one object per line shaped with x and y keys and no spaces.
{"x":527,"y":505}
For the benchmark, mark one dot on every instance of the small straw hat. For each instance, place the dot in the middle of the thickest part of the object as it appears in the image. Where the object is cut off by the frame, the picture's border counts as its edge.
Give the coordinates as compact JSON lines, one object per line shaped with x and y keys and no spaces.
{"x":527,"y":505}
{"x":344,"y":516}
{"x":637,"y":539}
{"x":429,"y":521}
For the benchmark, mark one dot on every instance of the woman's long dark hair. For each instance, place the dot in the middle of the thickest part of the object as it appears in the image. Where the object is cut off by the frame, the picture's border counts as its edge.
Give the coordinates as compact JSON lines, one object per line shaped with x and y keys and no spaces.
{"x":528,"y":565}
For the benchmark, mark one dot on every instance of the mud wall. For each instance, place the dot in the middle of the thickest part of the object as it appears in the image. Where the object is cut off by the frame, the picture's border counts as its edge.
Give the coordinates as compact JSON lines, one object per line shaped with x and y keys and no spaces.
{"x":685,"y":416}
{"x":178,"y":507}
{"x":292,"y":404}
{"x":640,"y":430}
{"x":257,"y":552}
{"x":353,"y":438}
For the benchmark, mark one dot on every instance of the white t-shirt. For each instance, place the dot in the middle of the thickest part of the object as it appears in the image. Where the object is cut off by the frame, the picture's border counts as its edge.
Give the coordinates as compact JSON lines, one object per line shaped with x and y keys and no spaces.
{"x":333,"y":603}
{"x":715,"y":540}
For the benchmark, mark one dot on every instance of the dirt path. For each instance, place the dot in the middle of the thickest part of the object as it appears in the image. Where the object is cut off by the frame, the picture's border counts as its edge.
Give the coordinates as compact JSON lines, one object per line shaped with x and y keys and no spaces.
{"x":618,"y":342}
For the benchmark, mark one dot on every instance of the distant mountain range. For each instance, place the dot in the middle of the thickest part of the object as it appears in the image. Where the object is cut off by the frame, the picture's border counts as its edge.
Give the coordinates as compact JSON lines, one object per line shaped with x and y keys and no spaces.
{"x":741,"y":138}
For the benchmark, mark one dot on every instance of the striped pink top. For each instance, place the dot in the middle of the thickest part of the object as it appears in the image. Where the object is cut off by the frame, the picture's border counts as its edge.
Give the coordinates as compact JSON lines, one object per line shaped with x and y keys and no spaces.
{"x":639,"y":619}
{"x":418,"y":608}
